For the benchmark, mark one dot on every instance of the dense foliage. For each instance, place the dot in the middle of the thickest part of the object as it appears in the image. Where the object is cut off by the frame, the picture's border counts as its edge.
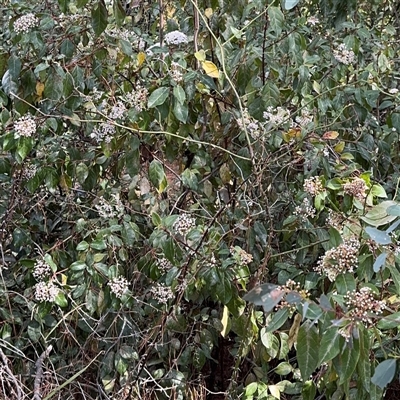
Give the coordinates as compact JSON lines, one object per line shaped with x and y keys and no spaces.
{"x":199,"y":199}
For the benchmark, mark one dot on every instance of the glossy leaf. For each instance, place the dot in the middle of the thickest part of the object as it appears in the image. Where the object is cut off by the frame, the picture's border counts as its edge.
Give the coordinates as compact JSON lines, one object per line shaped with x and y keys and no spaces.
{"x":307,"y":349}
{"x":158,"y":97}
{"x":99,"y":18}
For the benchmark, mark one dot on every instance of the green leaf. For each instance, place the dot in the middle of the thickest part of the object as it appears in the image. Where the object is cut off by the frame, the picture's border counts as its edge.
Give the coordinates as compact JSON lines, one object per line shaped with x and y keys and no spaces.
{"x":270,"y":342}
{"x":98,"y":244}
{"x":63,"y":5}
{"x":82,"y":172}
{"x":84,"y":245}
{"x":379,"y":262}
{"x":380,"y":237}
{"x":307,"y":349}
{"x":379,"y":215}
{"x":61,"y":300}
{"x":278,"y":319}
{"x":384,"y":373}
{"x":329,"y":347}
{"x":99,"y":18}
{"x":179,"y":94}
{"x":49,"y":261}
{"x":14,"y":67}
{"x":289,"y":4}
{"x":390,"y":321}
{"x":276,"y":18}
{"x":364,"y":363}
{"x":309,"y":390}
{"x":267,"y":295}
{"x":284,"y":368}
{"x":119,"y":12}
{"x":348,"y":361}
{"x":189,"y":178}
{"x":180,"y":111}
{"x":157,"y":176}
{"x":158,"y":97}
{"x":67,"y":48}
{"x":345,"y":283}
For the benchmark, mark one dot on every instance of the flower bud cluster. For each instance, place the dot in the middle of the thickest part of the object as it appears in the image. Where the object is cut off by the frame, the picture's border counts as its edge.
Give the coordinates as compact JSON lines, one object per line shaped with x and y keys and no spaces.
{"x":339,"y":260}
{"x":363,"y":307}
{"x":25,"y":23}
{"x":356,"y":188}
{"x":114,"y":208}
{"x":46,"y":291}
{"x":164,"y":265}
{"x":335,"y":220}
{"x":343,"y":55}
{"x":253,"y":127}
{"x":176,"y":38}
{"x":118,"y":285}
{"x":118,"y":111}
{"x":103,"y":132}
{"x":277,"y":116}
{"x":41,"y":270}
{"x":137,"y":98}
{"x":313,"y":185}
{"x":161,"y":293}
{"x":25,"y":126}
{"x":176,"y":72}
{"x":305,"y":210}
{"x":184,"y":224}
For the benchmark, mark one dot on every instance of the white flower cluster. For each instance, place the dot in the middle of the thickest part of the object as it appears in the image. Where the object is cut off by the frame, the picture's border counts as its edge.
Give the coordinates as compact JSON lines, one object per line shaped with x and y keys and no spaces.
{"x":313,"y":185}
{"x":211,"y":262}
{"x":114,"y":208}
{"x":356,"y":188}
{"x":277,"y":116}
{"x":175,"y":38}
{"x":41,"y":270}
{"x":335,"y":220}
{"x":253,"y":127}
{"x":118,"y":286}
{"x":118,"y":111}
{"x":176,"y":72}
{"x":287,"y":288}
{"x":363,"y":307}
{"x":46,"y":291}
{"x":339,"y":260}
{"x":343,"y":55}
{"x":137,"y":98}
{"x":313,"y":21}
{"x":29,"y":171}
{"x":304,"y":119}
{"x":25,"y":126}
{"x":184,"y":224}
{"x":161,"y":293}
{"x":103,"y":132}
{"x":25,"y":23}
{"x":164,"y":265}
{"x":305,"y":210}
{"x":242,"y":257}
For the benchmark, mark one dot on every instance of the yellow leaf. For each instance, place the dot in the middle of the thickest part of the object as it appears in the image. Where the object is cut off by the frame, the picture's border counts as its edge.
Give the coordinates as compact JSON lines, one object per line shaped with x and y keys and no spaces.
{"x":141,"y":57}
{"x":294,"y":330}
{"x":210,"y":69}
{"x":339,"y":147}
{"x":225,"y":321}
{"x":208,"y":12}
{"x":274,"y":389}
{"x":39,"y":88}
{"x":330,"y":135}
{"x":200,"y":55}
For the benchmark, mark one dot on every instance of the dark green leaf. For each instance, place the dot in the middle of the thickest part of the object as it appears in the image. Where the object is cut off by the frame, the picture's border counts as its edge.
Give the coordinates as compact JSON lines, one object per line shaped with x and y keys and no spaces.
{"x":14,"y":67}
{"x":345,"y":283}
{"x":119,"y":12}
{"x":307,"y":349}
{"x":384,"y":373}
{"x":267,"y":295}
{"x":181,"y":111}
{"x":157,"y":176}
{"x":158,"y":97}
{"x":329,"y":347}
{"x":99,"y":18}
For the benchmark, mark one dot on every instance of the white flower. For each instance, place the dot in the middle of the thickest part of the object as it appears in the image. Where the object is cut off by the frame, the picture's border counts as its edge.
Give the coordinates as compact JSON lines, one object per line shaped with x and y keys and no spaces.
{"x":184,"y":224}
{"x":41,"y":270}
{"x":175,"y":37}
{"x":105,"y":132}
{"x":313,"y":21}
{"x":118,"y":286}
{"x":393,"y":90}
{"x":161,"y":293}
{"x":25,"y":23}
{"x":343,"y":55}
{"x":46,"y":291}
{"x":137,"y":98}
{"x":117,"y":111}
{"x":277,"y":116}
{"x":25,"y":126}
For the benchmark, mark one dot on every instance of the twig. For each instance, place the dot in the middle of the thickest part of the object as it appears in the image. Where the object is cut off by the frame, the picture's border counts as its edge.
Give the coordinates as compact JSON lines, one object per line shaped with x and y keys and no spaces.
{"x":39,"y":373}
{"x":10,"y":374}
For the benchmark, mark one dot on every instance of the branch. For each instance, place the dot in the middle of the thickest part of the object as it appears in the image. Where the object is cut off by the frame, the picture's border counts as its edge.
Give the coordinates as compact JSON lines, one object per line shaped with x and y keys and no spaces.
{"x":39,"y":373}
{"x":10,"y":374}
